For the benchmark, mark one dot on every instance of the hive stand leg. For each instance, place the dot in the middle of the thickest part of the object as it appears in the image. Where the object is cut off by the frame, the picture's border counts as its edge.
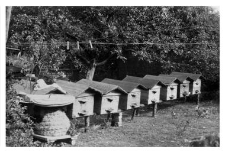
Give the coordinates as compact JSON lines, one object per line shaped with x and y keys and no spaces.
{"x":154,"y":111}
{"x":113,"y":120}
{"x":185,"y":98}
{"x":198,"y":100}
{"x":137,"y":112}
{"x":108,"y":117}
{"x":134,"y":110}
{"x":120,"y":119}
{"x":87,"y":122}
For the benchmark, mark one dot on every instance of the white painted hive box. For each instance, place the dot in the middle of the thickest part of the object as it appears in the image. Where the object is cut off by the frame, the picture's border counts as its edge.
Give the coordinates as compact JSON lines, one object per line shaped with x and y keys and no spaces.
{"x":169,"y":91}
{"x":133,"y":98}
{"x":151,"y":93}
{"x":83,"y":96}
{"x":184,"y":85}
{"x":108,"y":100}
{"x":195,"y":84}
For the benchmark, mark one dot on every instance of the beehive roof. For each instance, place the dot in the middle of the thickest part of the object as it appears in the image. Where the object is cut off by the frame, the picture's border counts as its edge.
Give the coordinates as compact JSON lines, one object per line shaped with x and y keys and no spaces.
{"x":127,"y":86}
{"x":103,"y":88}
{"x":191,"y":75}
{"x":74,"y":89}
{"x":181,"y":78}
{"x":164,"y":79}
{"x":52,"y":100}
{"x":148,"y":83}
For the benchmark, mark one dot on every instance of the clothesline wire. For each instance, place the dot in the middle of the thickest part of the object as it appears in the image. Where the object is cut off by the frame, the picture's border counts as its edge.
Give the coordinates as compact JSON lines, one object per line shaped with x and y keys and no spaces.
{"x":107,"y":43}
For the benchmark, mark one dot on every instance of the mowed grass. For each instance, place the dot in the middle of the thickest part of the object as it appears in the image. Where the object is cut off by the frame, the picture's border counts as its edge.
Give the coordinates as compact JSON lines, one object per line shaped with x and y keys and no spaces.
{"x":165,"y":130}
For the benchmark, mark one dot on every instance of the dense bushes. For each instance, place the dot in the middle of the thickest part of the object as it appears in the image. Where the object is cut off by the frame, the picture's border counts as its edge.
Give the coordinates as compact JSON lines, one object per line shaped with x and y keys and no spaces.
{"x":18,"y":124}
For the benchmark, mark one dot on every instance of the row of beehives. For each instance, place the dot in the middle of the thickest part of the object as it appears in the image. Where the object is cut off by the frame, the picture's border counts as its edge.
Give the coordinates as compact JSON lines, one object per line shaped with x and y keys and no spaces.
{"x":111,"y":96}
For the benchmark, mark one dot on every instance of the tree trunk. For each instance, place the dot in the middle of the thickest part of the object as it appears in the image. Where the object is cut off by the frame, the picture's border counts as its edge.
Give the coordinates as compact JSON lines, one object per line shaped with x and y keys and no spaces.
{"x":8,"y":16}
{"x":91,"y":72}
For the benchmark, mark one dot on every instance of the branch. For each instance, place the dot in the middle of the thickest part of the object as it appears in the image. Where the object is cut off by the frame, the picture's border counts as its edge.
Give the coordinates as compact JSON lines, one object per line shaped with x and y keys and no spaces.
{"x":103,"y":62}
{"x":83,"y":59}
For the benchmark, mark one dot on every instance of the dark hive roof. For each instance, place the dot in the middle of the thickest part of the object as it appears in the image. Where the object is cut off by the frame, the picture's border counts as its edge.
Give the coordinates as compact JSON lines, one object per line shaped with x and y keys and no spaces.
{"x":74,"y":89}
{"x":148,"y":83}
{"x":164,"y":79}
{"x":127,"y":86}
{"x":103,"y":88}
{"x":181,"y":78}
{"x":191,"y":75}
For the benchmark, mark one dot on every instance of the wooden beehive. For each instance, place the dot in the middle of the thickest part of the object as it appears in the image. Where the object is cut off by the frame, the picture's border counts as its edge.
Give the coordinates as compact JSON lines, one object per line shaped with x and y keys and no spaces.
{"x":184,"y":87}
{"x":168,"y":92}
{"x":133,"y":98}
{"x":195,"y":85}
{"x":108,"y":100}
{"x":84,"y":98}
{"x":152,"y":94}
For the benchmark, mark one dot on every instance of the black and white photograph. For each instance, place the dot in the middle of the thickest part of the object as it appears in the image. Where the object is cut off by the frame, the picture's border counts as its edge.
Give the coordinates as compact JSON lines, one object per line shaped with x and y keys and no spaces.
{"x":112,"y":76}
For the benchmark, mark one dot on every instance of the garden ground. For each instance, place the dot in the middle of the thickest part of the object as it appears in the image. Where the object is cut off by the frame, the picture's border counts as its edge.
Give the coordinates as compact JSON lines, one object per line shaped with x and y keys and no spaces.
{"x":175,"y":123}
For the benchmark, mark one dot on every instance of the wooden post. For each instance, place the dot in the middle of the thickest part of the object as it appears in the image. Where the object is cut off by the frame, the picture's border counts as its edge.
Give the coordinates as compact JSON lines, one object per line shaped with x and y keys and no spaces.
{"x":198,"y":100}
{"x":137,"y":112}
{"x":87,"y":122}
{"x":132,"y":117}
{"x":185,"y":98}
{"x":117,"y":119}
{"x":68,"y":45}
{"x":120,"y":119}
{"x":108,"y":117}
{"x":154,"y":111}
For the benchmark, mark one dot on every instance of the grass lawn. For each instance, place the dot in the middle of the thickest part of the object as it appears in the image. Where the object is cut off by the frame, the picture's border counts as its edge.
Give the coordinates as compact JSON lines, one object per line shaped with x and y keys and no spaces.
{"x":165,"y":130}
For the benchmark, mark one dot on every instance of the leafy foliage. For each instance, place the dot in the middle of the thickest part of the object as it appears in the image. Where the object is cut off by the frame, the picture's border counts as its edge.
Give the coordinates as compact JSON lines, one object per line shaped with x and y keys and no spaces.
{"x":179,"y":38}
{"x":18,"y":124}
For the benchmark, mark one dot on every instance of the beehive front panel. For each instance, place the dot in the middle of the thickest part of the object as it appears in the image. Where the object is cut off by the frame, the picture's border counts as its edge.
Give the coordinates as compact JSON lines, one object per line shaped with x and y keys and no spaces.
{"x":154,"y":94}
{"x":184,"y":88}
{"x":110,"y":103}
{"x":134,"y":98}
{"x":83,"y":106}
{"x":196,"y":86}
{"x":172,"y":91}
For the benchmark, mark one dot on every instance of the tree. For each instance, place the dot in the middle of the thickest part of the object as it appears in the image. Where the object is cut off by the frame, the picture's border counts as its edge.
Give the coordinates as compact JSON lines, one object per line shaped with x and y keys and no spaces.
{"x":8,"y":16}
{"x":180,"y":38}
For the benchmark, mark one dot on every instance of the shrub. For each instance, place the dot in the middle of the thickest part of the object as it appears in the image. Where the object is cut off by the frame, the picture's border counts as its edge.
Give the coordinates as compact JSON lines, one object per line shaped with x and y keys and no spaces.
{"x":18,"y":124}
